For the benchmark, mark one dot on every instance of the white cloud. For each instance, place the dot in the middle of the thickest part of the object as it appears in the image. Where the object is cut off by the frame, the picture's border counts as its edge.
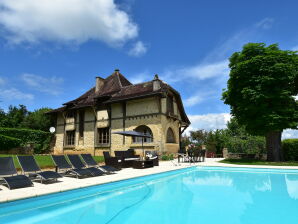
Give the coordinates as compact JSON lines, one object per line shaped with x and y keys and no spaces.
{"x":205,"y":71}
{"x":50,"y":85}
{"x":199,"y":97}
{"x":2,"y":81}
{"x":14,"y":94}
{"x":208,"y":121}
{"x":74,"y":21}
{"x":193,"y":100}
{"x":200,"y":71}
{"x":295,"y":48}
{"x":219,"y":121}
{"x":266,"y":23}
{"x":253,"y":33}
{"x":290,"y":133}
{"x":138,"y":49}
{"x":141,"y":77}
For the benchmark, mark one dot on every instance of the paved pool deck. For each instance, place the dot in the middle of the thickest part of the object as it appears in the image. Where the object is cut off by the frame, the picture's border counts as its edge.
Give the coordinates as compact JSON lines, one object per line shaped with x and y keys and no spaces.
{"x":70,"y":183}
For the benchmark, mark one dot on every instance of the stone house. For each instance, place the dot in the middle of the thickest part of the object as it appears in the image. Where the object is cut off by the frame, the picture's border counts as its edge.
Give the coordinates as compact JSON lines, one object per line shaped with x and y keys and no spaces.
{"x":86,"y":124}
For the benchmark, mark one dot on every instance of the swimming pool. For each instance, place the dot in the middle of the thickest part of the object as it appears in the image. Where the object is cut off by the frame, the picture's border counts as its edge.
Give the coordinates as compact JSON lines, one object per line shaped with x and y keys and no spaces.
{"x":191,"y":195}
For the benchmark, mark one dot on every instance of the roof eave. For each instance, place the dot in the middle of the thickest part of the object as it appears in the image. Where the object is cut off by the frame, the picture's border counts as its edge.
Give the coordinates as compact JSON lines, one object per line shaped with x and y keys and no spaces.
{"x":134,"y":97}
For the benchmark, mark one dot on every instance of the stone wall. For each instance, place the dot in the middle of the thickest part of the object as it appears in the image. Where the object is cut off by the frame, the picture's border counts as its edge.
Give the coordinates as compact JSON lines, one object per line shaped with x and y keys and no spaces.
{"x":149,"y":111}
{"x":58,"y":149}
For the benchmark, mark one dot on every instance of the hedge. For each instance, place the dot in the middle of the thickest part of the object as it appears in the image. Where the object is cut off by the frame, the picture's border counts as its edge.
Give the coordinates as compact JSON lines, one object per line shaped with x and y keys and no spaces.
{"x":7,"y":142}
{"x":290,"y":149}
{"x":40,"y":140}
{"x":251,"y":144}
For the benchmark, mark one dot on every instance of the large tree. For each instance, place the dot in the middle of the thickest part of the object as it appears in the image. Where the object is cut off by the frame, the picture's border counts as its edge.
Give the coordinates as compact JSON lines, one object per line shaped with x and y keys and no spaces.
{"x":261,"y":92}
{"x":38,"y":120}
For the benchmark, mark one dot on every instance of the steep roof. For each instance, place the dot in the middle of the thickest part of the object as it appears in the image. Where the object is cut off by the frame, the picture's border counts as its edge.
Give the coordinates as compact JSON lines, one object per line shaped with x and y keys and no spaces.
{"x":113,"y":84}
{"x":117,"y":88}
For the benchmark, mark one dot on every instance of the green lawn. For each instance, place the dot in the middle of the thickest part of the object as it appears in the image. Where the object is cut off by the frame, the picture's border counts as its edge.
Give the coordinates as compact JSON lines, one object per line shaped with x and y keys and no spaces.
{"x":45,"y":161}
{"x":258,"y":162}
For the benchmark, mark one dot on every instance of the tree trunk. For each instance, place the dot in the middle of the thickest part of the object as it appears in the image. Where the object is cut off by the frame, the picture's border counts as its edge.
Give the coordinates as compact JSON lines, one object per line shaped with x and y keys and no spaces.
{"x":273,"y":146}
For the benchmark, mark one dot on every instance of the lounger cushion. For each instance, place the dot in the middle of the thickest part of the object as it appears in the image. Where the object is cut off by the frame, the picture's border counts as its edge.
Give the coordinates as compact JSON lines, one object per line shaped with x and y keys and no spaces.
{"x":130,"y":159}
{"x":61,"y":162}
{"x":95,"y":171}
{"x":109,"y":168}
{"x":28,"y":164}
{"x":82,"y":172}
{"x":49,"y":175}
{"x":89,"y":160}
{"x":19,"y":181}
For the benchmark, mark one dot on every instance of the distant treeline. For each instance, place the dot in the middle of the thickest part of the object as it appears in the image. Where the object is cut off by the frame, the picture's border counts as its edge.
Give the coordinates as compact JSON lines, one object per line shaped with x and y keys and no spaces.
{"x":234,"y":138}
{"x":21,"y":117}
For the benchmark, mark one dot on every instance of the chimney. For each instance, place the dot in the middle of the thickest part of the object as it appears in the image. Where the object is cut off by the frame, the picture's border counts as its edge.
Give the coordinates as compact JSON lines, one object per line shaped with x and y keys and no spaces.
{"x":156,"y":83}
{"x":117,"y":71}
{"x":99,"y":83}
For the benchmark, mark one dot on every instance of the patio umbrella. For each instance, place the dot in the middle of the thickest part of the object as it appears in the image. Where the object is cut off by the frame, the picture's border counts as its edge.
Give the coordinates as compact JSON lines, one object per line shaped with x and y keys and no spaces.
{"x":134,"y":134}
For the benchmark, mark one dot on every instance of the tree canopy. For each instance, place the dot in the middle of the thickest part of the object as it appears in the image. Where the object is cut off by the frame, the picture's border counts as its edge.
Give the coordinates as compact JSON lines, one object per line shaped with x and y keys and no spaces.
{"x":262,"y":87}
{"x":20,"y":117}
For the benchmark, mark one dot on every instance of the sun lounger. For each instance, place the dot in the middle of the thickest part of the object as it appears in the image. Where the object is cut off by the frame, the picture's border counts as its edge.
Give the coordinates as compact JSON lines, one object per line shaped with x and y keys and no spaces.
{"x":11,"y":178}
{"x":78,"y":164}
{"x":29,"y":165}
{"x":62,"y":164}
{"x":90,"y":162}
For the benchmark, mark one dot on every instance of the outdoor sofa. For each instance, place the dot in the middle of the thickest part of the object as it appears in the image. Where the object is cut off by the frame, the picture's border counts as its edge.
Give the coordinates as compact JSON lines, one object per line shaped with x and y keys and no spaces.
{"x":127,"y":157}
{"x":112,"y":161}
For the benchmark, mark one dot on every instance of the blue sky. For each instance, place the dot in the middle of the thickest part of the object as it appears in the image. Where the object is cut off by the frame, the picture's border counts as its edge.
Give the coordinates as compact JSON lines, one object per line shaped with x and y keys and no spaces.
{"x":51,"y":50}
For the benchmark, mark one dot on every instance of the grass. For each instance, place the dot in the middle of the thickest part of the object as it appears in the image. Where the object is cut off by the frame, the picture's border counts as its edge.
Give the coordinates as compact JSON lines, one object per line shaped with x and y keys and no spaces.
{"x":258,"y":162}
{"x":45,"y":161}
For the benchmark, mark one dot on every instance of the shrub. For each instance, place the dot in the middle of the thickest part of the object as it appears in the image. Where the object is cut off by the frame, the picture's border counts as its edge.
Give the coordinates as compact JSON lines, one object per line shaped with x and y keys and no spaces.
{"x":290,"y":149}
{"x":249,"y":144}
{"x":167,"y":157}
{"x":40,"y":140}
{"x":7,"y":142}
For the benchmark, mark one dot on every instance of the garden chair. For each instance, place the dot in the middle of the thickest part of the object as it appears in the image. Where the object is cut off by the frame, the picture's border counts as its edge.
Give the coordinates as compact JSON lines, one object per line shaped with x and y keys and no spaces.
{"x":153,"y":155}
{"x":112,"y":161}
{"x":11,"y":178}
{"x":29,"y":165}
{"x":90,"y":162}
{"x":78,"y":164}
{"x":62,"y":164}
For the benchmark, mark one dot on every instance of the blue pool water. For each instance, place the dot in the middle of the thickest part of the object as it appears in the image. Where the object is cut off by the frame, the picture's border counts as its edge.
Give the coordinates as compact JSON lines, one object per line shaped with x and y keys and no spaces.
{"x":192,"y":195}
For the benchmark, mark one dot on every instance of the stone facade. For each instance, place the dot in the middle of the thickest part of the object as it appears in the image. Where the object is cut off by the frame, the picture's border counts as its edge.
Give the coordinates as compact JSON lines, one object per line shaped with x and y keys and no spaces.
{"x":149,"y":112}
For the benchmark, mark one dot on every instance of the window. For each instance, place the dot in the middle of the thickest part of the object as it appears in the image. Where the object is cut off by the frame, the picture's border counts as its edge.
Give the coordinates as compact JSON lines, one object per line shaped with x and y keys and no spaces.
{"x":81,"y":123}
{"x":170,"y":136}
{"x":145,"y":130}
{"x":170,"y":104}
{"x":70,"y":137}
{"x":103,"y":135}
{"x":70,"y":114}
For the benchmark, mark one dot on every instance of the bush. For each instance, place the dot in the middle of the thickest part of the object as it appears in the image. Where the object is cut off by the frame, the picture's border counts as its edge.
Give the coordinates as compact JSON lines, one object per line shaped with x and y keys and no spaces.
{"x":7,"y":142}
{"x":167,"y":157}
{"x":290,"y":149}
{"x":249,"y":144}
{"x":40,"y":140}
